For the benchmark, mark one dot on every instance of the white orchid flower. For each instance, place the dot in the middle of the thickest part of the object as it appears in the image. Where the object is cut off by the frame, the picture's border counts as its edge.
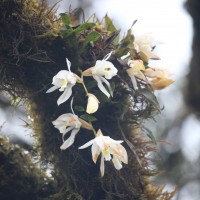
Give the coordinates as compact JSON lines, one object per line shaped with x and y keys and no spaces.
{"x":93,"y":104}
{"x":64,"y":80}
{"x":143,"y":44}
{"x":107,"y":147}
{"x":65,"y":123}
{"x":135,"y":70}
{"x":102,"y":71}
{"x":158,"y":77}
{"x":70,"y":122}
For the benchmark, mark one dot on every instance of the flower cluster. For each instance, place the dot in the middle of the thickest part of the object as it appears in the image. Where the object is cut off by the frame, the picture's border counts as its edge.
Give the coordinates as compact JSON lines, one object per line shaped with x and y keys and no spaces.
{"x":103,"y":71}
{"x":64,"y":81}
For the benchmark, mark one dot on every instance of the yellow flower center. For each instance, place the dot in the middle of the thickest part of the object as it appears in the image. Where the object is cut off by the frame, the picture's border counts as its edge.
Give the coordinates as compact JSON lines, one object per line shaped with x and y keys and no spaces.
{"x":64,"y":84}
{"x":106,"y":152}
{"x":107,"y":69}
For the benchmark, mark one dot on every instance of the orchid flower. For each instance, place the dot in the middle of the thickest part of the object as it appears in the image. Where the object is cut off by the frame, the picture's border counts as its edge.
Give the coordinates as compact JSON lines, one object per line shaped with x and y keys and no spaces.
{"x":70,"y":122}
{"x":65,"y":123}
{"x":93,"y":104}
{"x":143,"y":45}
{"x":102,"y":71}
{"x":107,"y":147}
{"x":64,"y":80}
{"x":135,"y":70}
{"x":159,"y":78}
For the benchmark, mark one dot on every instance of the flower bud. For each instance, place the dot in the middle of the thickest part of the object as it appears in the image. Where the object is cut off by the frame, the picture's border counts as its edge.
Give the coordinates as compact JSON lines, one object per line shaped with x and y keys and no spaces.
{"x":93,"y":104}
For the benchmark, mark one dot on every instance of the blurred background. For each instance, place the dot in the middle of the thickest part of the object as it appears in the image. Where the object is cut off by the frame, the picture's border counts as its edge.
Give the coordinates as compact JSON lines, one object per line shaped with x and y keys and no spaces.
{"x":171,"y":26}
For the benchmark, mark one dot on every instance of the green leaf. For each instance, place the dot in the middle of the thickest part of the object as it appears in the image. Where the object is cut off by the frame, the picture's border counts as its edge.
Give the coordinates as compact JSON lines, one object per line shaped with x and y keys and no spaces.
{"x":65,"y":19}
{"x":149,"y":96}
{"x":91,"y":37}
{"x":109,"y":24}
{"x":149,"y":134}
{"x":88,"y":118}
{"x":84,"y":27}
{"x":79,"y":108}
{"x":128,"y":39}
{"x":125,"y":44}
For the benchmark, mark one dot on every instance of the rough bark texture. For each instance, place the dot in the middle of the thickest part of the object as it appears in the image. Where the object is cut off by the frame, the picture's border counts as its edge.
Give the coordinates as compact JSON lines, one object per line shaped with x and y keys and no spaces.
{"x":32,"y":52}
{"x":193,"y":95}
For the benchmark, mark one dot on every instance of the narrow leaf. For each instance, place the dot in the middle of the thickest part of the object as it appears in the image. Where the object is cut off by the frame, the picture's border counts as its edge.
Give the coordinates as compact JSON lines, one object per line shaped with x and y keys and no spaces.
{"x":149,"y":134}
{"x":65,"y":19}
{"x":109,"y":24}
{"x":79,"y":108}
{"x":88,"y":118}
{"x":84,"y":27}
{"x":91,"y":37}
{"x":149,"y":96}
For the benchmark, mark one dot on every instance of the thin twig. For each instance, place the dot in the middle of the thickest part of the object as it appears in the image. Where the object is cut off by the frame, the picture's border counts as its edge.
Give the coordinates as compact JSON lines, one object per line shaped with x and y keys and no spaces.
{"x":131,"y":146}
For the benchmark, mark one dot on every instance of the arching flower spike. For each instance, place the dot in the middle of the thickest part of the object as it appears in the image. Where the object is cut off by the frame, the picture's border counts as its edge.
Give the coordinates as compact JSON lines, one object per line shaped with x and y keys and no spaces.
{"x":107,"y":147}
{"x":102,"y":71}
{"x":64,"y":80}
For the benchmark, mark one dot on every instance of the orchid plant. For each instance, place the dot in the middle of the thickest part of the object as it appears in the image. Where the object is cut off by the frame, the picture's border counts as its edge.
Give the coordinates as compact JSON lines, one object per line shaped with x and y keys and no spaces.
{"x":103,"y":72}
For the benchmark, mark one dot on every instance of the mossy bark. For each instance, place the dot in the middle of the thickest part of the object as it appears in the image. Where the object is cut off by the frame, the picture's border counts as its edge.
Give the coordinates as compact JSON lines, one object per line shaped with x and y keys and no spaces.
{"x":31,"y":54}
{"x":193,"y":90}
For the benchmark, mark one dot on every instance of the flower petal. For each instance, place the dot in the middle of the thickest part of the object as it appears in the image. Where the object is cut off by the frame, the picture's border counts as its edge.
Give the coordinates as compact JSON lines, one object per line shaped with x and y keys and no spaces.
{"x":62,"y":118}
{"x":108,"y":84}
{"x":68,"y":64}
{"x":66,"y":94}
{"x":100,"y":85}
{"x":55,"y":87}
{"x":70,"y":140}
{"x":65,"y":131}
{"x":87,"y":144}
{"x":102,"y":167}
{"x":124,"y":156}
{"x":107,"y":56}
{"x":95,"y":152}
{"x":117,"y":163}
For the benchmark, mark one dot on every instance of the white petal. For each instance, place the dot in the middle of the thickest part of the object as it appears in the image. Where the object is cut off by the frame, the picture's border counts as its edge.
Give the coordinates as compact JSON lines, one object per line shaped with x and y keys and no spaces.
{"x":107,"y":156}
{"x":68,"y":64}
{"x":107,"y":56}
{"x":102,"y":167}
{"x":66,"y":94}
{"x":63,"y":118}
{"x":101,"y":142}
{"x":66,"y":131}
{"x":116,"y":163}
{"x":100,"y":85}
{"x":87,"y":144}
{"x":55,"y":87}
{"x":124,"y":157}
{"x":108,"y":84}
{"x":95,"y":152}
{"x":70,"y":140}
{"x":62,"y":74}
{"x":115,"y":141}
